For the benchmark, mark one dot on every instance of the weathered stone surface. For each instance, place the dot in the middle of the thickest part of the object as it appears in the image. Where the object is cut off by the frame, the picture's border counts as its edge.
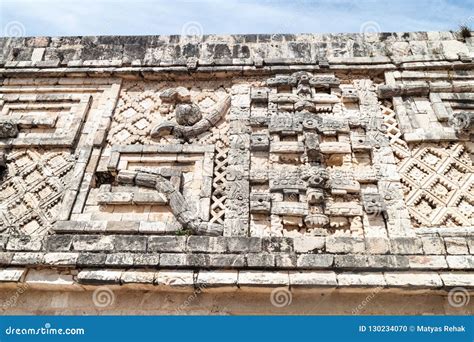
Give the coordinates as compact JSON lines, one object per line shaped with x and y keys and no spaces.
{"x":99,"y":277}
{"x":313,"y":279}
{"x":175,"y":278}
{"x":433,"y":245}
{"x":209,"y":279}
{"x":166,"y":244}
{"x":431,"y":261}
{"x":8,"y":129}
{"x":236,"y":154}
{"x":143,"y":277}
{"x":24,"y":243}
{"x":314,"y":261}
{"x":361,"y":279}
{"x":336,"y":244}
{"x":456,"y":245}
{"x":309,"y":244}
{"x":11,"y":274}
{"x":398,"y":279}
{"x":406,"y":246}
{"x":260,"y":279}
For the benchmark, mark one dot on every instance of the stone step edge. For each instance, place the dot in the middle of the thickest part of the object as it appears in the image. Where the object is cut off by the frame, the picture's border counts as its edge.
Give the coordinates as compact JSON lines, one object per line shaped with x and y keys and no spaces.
{"x":175,"y":279}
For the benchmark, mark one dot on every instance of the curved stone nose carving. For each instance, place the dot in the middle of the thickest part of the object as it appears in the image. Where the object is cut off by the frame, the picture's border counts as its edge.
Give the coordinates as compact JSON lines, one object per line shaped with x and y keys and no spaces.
{"x":187,"y":132}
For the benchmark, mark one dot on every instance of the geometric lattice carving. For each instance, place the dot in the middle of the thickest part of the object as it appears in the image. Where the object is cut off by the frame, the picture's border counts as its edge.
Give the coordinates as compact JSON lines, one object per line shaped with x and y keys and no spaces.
{"x":31,"y":194}
{"x":144,"y":105}
{"x":438,"y":180}
{"x":219,"y":184}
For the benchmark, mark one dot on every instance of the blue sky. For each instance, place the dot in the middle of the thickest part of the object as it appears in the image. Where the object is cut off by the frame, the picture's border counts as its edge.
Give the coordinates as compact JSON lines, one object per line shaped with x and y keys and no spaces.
{"x":114,"y":17}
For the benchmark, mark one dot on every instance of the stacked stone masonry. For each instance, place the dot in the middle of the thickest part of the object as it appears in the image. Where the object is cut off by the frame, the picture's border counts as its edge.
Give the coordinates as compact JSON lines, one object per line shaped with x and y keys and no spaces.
{"x":322,"y":157}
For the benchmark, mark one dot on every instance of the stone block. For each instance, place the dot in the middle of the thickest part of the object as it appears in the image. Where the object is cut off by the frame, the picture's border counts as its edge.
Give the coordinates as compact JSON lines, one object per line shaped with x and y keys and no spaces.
{"x":344,"y":244}
{"x":460,"y":262}
{"x":361,"y":279}
{"x":175,"y":278}
{"x":138,"y":277}
{"x":93,"y":277}
{"x":91,"y":259}
{"x":377,"y":245}
{"x":166,"y":244}
{"x":260,"y":260}
{"x":11,"y":274}
{"x":427,"y":261}
{"x":351,"y":261}
{"x":94,"y":243}
{"x":312,"y":279}
{"x":59,"y":243}
{"x":61,"y":259}
{"x":456,"y":245}
{"x":208,"y":279}
{"x":24,"y":243}
{"x":310,"y":244}
{"x":119,"y":260}
{"x":243,"y":244}
{"x":227,"y":260}
{"x":412,"y":279}
{"x":315,"y":261}
{"x":263,"y":279}
{"x":433,"y":245}
{"x":406,"y":245}
{"x":206,"y":244}
{"x":124,"y":243}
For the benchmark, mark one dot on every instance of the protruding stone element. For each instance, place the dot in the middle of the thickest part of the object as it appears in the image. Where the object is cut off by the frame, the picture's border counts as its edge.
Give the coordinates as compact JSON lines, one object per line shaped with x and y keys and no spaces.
{"x":316,"y":220}
{"x":315,"y":196}
{"x":373,"y":204}
{"x":349,"y":94}
{"x":259,"y":142}
{"x":177,"y":202}
{"x":260,"y":203}
{"x":8,"y":129}
{"x":188,"y":114}
{"x":259,"y":95}
{"x":187,"y":132}
{"x":462,"y":121}
{"x":334,"y":147}
{"x":179,"y":94}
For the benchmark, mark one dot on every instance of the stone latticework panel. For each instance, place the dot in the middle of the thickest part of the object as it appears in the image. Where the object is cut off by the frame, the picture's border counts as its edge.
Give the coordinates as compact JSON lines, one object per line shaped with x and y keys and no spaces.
{"x":438,"y":181}
{"x":31,"y":196}
{"x":56,"y":123}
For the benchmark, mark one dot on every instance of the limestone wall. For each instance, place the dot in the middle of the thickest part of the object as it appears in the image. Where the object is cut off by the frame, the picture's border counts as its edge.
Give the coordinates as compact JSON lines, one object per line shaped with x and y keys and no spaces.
{"x":243,"y":161}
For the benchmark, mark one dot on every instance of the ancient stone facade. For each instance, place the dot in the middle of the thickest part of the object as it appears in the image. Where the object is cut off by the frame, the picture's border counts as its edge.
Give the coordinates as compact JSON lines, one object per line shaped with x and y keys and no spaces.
{"x":309,"y":161}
